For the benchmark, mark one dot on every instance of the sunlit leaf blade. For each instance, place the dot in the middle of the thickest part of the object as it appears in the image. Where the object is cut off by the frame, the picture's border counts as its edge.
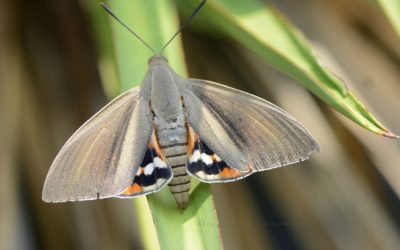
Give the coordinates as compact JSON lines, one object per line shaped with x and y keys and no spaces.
{"x":154,"y":23}
{"x":391,"y":8}
{"x":197,"y":226}
{"x":263,"y":30}
{"x":194,"y":228}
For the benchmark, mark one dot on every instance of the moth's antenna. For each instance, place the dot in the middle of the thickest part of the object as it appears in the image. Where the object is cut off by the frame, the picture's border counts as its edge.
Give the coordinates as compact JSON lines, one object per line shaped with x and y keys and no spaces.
{"x":184,"y":24}
{"x":109,"y":11}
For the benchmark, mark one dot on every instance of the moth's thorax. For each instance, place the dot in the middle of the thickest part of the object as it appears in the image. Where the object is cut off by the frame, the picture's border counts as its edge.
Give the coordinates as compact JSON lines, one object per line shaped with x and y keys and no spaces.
{"x":165,"y":96}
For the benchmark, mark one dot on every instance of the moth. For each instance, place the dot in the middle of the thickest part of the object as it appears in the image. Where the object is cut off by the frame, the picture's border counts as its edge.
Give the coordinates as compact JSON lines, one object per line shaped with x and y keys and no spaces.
{"x":168,"y":130}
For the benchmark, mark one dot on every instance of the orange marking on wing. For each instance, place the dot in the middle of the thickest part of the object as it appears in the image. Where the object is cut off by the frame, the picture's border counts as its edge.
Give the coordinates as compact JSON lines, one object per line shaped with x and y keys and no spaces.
{"x":214,"y":157}
{"x":191,"y":140}
{"x":135,"y":188}
{"x":230,"y":172}
{"x":140,"y":171}
{"x":154,"y":144}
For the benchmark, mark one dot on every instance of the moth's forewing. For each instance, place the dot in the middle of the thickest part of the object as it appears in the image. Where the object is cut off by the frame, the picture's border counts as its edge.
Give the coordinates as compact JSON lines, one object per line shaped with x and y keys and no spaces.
{"x":211,"y":131}
{"x":101,"y":158}
{"x":267,"y":136}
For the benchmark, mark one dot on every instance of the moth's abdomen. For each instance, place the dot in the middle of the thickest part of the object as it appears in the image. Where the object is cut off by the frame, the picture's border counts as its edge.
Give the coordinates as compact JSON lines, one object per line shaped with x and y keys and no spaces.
{"x":173,"y":143}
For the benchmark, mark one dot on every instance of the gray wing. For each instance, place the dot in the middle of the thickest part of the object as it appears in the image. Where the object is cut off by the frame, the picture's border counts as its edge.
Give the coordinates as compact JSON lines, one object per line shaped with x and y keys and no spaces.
{"x":260,"y":133}
{"x":102,"y":157}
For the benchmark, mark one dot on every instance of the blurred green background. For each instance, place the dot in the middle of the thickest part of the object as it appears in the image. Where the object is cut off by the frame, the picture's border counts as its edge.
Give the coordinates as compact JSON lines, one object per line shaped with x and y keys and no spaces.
{"x":57,"y":67}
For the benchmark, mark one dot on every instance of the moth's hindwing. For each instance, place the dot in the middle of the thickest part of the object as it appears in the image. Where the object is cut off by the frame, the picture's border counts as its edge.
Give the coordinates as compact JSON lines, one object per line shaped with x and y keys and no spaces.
{"x":206,"y":165}
{"x":153,"y":173}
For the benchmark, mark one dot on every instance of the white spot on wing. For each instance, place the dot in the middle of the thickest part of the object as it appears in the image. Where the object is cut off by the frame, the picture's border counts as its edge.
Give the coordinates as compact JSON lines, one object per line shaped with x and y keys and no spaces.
{"x":206,"y":159}
{"x":149,"y":188}
{"x":195,"y":157}
{"x":201,"y":175}
{"x":158,"y":163}
{"x":148,"y":170}
{"x":209,"y":177}
{"x":217,"y":158}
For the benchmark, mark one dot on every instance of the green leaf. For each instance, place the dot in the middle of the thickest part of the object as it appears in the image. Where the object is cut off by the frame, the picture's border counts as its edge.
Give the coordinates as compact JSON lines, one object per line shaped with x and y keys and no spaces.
{"x":267,"y":33}
{"x":154,"y":23}
{"x":391,"y":8}
{"x":197,"y":226}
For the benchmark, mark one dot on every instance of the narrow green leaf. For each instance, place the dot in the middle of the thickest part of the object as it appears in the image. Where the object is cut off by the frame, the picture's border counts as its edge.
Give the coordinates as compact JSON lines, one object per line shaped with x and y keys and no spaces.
{"x":391,"y":8}
{"x":194,"y":228}
{"x":263,"y":30}
{"x":154,"y":23}
{"x":197,"y":226}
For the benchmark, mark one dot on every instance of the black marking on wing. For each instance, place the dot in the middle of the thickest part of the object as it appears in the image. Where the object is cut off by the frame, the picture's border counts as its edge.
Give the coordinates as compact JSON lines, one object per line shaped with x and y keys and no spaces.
{"x":233,"y":132}
{"x":148,"y":157}
{"x":116,"y":144}
{"x":148,"y":180}
{"x":206,"y":165}
{"x":151,"y":170}
{"x":159,"y":172}
{"x":197,"y":165}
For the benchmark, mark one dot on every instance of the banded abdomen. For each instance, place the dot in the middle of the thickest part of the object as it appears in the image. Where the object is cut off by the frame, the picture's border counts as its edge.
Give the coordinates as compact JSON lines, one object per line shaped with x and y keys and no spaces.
{"x":173,"y":143}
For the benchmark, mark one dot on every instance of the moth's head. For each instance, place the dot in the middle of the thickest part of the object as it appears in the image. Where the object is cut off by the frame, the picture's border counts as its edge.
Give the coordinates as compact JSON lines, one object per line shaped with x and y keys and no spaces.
{"x":157,"y":60}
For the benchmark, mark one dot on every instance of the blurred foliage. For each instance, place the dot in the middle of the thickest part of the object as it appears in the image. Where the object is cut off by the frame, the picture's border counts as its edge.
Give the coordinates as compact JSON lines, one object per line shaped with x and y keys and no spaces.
{"x":263,"y":30}
{"x":391,"y":9}
{"x":56,"y":58}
